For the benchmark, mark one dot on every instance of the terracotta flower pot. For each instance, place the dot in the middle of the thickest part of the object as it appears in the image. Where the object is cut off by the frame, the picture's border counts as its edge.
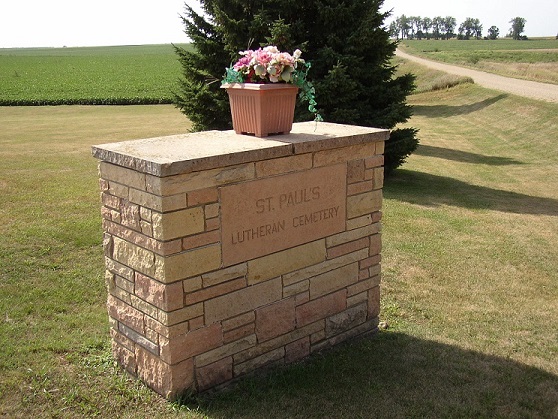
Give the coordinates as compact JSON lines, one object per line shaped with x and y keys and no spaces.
{"x":262,"y":109}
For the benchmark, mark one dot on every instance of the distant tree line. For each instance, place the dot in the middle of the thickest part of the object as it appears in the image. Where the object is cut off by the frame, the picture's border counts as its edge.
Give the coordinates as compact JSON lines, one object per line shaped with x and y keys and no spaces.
{"x":416,"y":27}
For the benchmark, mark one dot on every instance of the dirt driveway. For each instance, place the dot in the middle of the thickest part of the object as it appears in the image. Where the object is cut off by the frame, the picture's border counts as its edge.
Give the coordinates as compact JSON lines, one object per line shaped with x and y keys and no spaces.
{"x":531,"y":89}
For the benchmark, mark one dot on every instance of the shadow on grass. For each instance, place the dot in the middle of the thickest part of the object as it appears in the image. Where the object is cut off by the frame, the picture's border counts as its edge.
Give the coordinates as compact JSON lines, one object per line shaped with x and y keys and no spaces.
{"x":431,"y":190}
{"x":464,"y":156}
{"x":392,"y":375}
{"x":437,"y":111}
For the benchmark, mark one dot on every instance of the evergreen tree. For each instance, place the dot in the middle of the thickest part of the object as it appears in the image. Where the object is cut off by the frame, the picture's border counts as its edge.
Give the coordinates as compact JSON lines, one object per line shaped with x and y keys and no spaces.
{"x":351,"y":69}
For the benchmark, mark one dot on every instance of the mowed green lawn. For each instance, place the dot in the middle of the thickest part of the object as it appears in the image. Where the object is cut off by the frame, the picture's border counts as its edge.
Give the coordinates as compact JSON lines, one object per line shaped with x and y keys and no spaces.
{"x":470,"y":274}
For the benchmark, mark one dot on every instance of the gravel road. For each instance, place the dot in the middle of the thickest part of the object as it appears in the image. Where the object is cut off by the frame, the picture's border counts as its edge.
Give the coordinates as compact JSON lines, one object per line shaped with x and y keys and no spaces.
{"x":531,"y":89}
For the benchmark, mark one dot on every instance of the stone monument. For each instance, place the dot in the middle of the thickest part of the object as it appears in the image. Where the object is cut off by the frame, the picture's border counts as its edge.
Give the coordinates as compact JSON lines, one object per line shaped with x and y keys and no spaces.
{"x":227,"y":253}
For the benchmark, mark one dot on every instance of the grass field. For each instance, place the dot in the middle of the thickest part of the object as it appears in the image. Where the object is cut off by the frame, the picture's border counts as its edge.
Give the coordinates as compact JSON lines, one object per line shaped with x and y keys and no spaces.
{"x":535,"y":59}
{"x":94,"y":75}
{"x":470,"y":274}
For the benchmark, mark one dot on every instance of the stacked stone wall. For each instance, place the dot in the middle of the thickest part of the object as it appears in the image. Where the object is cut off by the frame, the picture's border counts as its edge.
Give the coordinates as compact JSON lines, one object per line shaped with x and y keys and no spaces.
{"x":180,"y":319}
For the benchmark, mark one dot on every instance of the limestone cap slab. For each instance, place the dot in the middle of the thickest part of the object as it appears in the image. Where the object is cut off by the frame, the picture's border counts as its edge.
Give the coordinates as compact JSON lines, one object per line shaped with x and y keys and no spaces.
{"x":185,"y":153}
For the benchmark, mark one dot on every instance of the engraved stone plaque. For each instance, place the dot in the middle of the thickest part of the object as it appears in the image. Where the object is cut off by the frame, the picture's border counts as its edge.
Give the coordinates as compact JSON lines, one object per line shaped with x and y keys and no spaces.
{"x":265,"y":216}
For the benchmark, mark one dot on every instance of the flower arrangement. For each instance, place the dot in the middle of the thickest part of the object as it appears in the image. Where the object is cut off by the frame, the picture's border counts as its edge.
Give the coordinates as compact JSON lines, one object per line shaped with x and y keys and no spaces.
{"x":269,"y":65}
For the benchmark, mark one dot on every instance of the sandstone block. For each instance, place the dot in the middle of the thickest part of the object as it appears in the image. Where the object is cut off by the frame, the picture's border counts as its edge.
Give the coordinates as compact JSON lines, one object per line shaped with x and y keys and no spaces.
{"x":110,"y":201}
{"x":134,"y":237}
{"x":193,"y":343}
{"x":270,"y":215}
{"x":133,"y":256}
{"x":123,"y":283}
{"x":323,"y":267}
{"x":177,"y":224}
{"x":321,"y":308}
{"x":238,"y":321}
{"x":359,"y":222}
{"x":297,"y":350}
{"x":352,"y":235}
{"x":344,"y":154}
{"x":375,"y":270}
{"x":280,"y":341}
{"x":355,"y":171}
{"x":242,"y":301}
{"x":119,"y":269}
{"x":196,"y":323}
{"x":360,"y":187}
{"x":119,"y":190}
{"x":283,"y":165}
{"x":143,"y":306}
{"x":374,"y":161}
{"x":370,"y":261}
{"x":167,"y":331}
{"x":125,"y":314}
{"x":187,"y":264}
{"x":215,"y":291}
{"x":193,"y":181}
{"x":156,"y":202}
{"x":124,"y":357}
{"x":366,"y":327}
{"x":130,"y":215}
{"x":350,"y":247}
{"x":203,"y":196}
{"x":168,"y":297}
{"x":119,"y":293}
{"x":214,"y":374}
{"x":239,"y":333}
{"x":364,"y":285}
{"x":122,"y":175}
{"x":146,"y":228}
{"x":145,"y":214}
{"x":275,"y":319}
{"x":346,"y":320}
{"x":168,"y":380}
{"x":378,"y":177}
{"x":375,"y":244}
{"x":374,"y":302}
{"x":365,"y":203}
{"x":260,"y":361}
{"x":353,"y":300}
{"x":192,"y":284}
{"x":303,"y":297}
{"x":119,"y":337}
{"x":179,"y":316}
{"x":212,"y":224}
{"x":224,"y":351}
{"x":226,"y":274}
{"x":211,"y":210}
{"x":286,"y":261}
{"x":139,"y":339}
{"x":103,"y":185}
{"x":296,"y":288}
{"x":331,"y":281}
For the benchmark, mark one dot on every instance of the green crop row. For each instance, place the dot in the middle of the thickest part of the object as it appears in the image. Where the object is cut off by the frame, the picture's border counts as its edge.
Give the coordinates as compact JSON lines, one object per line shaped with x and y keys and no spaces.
{"x":146,"y":74}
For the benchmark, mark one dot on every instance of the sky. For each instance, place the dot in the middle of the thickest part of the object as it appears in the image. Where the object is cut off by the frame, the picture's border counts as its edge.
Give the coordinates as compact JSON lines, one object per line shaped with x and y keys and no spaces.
{"x":58,"y":23}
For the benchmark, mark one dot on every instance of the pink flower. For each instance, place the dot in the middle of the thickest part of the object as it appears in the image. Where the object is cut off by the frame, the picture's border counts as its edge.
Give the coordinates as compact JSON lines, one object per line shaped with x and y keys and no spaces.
{"x":241,"y":64}
{"x":267,"y":65}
